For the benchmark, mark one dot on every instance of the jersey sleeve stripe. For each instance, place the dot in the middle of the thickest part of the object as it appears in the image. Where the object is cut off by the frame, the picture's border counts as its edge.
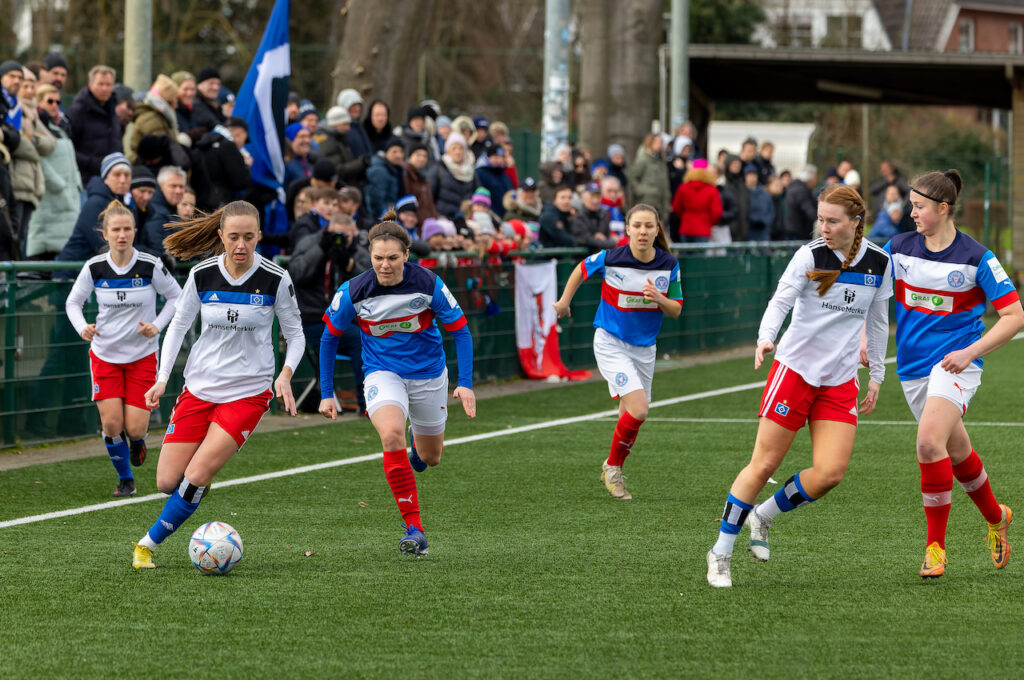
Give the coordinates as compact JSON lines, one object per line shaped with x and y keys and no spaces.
{"x":456,"y":325}
{"x":583,"y":270}
{"x":1006,"y":300}
{"x":330,"y":326}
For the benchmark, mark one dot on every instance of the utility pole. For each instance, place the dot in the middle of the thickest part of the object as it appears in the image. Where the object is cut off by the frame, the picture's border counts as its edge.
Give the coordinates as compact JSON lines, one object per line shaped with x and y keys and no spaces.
{"x":555,"y":113}
{"x":138,"y":44}
{"x":679,"y":41}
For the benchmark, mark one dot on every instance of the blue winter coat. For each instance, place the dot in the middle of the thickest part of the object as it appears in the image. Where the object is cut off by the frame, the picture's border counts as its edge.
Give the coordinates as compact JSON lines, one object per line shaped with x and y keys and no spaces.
{"x":86,"y":239}
{"x":762,"y":209}
{"x":384,"y":186}
{"x":494,"y":180}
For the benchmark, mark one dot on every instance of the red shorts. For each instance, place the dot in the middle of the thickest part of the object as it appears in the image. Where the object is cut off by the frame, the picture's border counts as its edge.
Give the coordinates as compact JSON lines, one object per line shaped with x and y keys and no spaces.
{"x":122,"y":381}
{"x":191,"y":417}
{"x":789,"y":401}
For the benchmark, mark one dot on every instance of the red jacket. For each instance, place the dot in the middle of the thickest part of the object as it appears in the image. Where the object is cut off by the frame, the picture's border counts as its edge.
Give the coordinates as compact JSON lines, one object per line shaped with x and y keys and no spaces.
{"x":697,"y":203}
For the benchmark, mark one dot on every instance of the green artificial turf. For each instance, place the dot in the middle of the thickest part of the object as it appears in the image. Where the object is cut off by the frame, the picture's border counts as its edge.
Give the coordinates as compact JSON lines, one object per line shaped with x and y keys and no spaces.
{"x":534,"y":571}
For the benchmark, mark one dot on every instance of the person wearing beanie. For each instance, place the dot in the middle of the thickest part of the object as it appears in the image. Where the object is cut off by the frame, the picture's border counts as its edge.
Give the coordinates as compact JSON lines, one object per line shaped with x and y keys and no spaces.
{"x":309,"y":116}
{"x":455,"y":178}
{"x":615,"y":161}
{"x":417,"y":180}
{"x":377,"y":124}
{"x":220,"y":173}
{"x":352,"y":102}
{"x":113,"y":182}
{"x":55,"y":70}
{"x":206,"y":111}
{"x":332,"y":137}
{"x":407,"y":210}
{"x":490,"y":171}
{"x":385,"y":178}
{"x":95,"y":128}
{"x":444,"y":128}
{"x":299,"y":158}
{"x":556,"y":221}
{"x":155,"y":115}
{"x":143,"y":185}
{"x":124,"y":97}
{"x":591,"y":226}
{"x":415,"y":133}
{"x":523,"y":203}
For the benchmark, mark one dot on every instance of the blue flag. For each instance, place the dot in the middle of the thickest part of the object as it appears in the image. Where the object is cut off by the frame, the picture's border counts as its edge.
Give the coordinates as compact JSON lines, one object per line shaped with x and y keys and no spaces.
{"x":261,"y":101}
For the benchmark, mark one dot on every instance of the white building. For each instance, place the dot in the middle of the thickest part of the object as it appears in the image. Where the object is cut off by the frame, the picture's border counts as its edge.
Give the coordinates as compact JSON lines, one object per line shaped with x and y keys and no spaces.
{"x":822,"y":23}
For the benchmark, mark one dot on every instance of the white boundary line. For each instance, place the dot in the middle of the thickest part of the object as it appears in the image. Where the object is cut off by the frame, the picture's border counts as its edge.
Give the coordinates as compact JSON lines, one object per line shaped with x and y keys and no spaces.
{"x":452,"y":442}
{"x":375,"y":456}
{"x":753,"y":421}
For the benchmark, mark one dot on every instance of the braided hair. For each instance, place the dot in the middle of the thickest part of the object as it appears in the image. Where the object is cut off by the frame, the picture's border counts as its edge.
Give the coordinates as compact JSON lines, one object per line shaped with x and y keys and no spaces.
{"x":850,"y":200}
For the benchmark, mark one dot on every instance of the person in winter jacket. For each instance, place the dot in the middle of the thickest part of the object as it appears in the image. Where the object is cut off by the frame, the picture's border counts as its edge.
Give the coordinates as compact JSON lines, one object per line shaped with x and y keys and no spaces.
{"x":332,"y":137}
{"x":649,"y":175}
{"x":113,"y":182}
{"x":299,"y":158}
{"x":377,"y":125}
{"x":761,"y":215}
{"x":154,"y":115}
{"x":455,"y":179}
{"x":490,"y":170}
{"x":591,"y":225}
{"x":552,"y":176}
{"x":698,"y":204}
{"x":739,"y":227}
{"x":95,"y":128}
{"x":417,"y":181}
{"x":763,"y":161}
{"x":220,"y":173}
{"x":28,"y":184}
{"x":415,"y":134}
{"x":801,"y":208}
{"x":54,"y":217}
{"x":206,"y":112}
{"x":184,"y":109}
{"x":555,"y":221}
{"x":615,"y":163}
{"x":523,"y":203}
{"x":386,"y":178}
{"x":352,"y":102}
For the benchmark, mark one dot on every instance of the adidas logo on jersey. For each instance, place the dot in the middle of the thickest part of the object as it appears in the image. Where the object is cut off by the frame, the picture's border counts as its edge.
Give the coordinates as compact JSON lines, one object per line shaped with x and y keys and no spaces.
{"x":104,"y":285}
{"x":214,"y":298}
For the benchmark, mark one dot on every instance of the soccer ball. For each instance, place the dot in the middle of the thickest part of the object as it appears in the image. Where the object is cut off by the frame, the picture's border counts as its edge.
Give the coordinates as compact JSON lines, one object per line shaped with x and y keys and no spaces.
{"x":215,"y":548}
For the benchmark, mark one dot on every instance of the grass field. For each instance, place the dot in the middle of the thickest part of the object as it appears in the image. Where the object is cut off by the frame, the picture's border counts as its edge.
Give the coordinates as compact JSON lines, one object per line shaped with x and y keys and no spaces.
{"x":534,"y":571}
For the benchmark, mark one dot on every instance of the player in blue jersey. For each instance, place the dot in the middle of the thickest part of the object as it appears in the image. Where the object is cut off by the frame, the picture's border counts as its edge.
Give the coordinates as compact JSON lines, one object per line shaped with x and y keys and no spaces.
{"x":123,"y":340}
{"x":640,"y":286}
{"x":237,"y":295}
{"x":943,"y":280}
{"x":836,"y":286}
{"x":395,"y":305}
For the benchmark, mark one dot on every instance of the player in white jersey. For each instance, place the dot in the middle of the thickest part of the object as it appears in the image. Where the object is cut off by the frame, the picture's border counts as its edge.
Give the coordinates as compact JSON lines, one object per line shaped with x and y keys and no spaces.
{"x":395,"y":305}
{"x":237,"y":293}
{"x":641,"y":285}
{"x":835,"y":286}
{"x":123,"y":340}
{"x":944,"y":280}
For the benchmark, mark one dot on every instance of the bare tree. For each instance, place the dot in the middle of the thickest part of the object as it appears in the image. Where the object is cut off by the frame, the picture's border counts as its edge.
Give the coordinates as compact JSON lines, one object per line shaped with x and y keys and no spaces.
{"x":381,"y":44}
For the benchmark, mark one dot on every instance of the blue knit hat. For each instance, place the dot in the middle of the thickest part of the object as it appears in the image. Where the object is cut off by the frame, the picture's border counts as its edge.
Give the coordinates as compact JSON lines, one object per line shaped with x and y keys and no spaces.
{"x":111,"y":161}
{"x":406,"y":203}
{"x":293,"y":130}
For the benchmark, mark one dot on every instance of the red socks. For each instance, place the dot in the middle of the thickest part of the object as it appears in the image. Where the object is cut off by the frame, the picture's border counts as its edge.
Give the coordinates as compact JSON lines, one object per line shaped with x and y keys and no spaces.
{"x":403,"y":485}
{"x":974,"y":480}
{"x":623,"y":439}
{"x":936,"y":491}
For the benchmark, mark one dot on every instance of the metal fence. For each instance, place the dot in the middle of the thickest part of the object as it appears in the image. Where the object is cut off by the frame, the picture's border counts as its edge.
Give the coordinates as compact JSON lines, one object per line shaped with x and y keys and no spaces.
{"x":46,"y":382}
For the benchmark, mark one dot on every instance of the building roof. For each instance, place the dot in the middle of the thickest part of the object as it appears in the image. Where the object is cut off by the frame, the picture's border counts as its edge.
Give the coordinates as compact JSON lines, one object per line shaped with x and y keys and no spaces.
{"x":927,"y":20}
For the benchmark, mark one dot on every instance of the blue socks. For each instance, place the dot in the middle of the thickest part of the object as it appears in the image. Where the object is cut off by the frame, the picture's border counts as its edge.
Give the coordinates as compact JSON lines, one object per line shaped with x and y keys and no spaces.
{"x":790,"y":497}
{"x":178,"y":508}
{"x":117,"y":449}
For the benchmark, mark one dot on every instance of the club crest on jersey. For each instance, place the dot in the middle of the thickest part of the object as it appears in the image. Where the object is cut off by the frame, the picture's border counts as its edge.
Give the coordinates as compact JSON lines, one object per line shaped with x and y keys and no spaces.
{"x":372,"y":393}
{"x":661,"y":283}
{"x":621,"y":379}
{"x":869,"y":280}
{"x":956,"y":278}
{"x":781,"y":409}
{"x":121,"y":295}
{"x":136,"y":282}
{"x":232,"y":315}
{"x":849,"y":296}
{"x":417,"y":303}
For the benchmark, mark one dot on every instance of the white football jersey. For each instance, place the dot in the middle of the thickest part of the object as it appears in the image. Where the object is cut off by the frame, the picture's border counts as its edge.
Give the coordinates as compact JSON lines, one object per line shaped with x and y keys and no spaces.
{"x":234,"y":355}
{"x":822,"y":342}
{"x":126,"y":296}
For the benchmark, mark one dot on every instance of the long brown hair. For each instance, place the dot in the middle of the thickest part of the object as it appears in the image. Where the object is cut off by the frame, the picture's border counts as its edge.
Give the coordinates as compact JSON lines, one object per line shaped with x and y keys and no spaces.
{"x":941,"y":187}
{"x":387,"y":229}
{"x":661,"y":240}
{"x":198,"y":236}
{"x":853,"y":204}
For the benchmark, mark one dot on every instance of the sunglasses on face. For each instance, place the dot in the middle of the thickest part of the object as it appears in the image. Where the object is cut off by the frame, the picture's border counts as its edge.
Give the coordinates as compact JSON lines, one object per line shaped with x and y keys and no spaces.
{"x":51,"y":101}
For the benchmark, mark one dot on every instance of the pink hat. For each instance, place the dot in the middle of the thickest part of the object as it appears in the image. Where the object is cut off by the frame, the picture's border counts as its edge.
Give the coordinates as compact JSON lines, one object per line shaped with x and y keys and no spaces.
{"x":701,"y":164}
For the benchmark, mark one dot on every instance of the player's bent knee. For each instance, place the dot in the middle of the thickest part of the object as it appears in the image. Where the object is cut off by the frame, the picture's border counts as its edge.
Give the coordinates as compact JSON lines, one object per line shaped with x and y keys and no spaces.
{"x":761,"y":470}
{"x":830,"y":478}
{"x":392,"y":440}
{"x":929,"y":450}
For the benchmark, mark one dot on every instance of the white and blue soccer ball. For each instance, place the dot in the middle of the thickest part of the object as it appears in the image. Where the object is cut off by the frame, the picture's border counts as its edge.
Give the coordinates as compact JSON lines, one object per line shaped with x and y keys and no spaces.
{"x":215,"y":548}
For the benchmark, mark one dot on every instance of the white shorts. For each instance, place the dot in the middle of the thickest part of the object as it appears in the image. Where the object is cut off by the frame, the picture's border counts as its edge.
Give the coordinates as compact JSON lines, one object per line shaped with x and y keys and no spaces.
{"x":957,"y":388}
{"x":424,"y":402}
{"x":626,"y":367}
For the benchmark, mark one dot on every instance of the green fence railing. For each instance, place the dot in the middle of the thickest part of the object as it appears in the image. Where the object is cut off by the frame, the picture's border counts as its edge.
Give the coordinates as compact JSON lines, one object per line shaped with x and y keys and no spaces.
{"x":45,"y":382}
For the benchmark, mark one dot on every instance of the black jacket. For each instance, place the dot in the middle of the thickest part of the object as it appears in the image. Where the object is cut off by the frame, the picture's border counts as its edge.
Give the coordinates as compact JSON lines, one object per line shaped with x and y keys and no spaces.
{"x":592,"y":229}
{"x":219,"y":172}
{"x":801,"y":211}
{"x":95,"y":130}
{"x":308,"y":223}
{"x":351,"y":169}
{"x":449,"y":193}
{"x":205,"y":113}
{"x":86,"y":240}
{"x":315,"y":282}
{"x":555,"y":228}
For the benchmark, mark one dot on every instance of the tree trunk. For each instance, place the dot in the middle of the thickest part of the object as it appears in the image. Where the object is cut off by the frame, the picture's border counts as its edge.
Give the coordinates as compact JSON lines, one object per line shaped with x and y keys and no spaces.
{"x":593,"y":106}
{"x":381,"y":44}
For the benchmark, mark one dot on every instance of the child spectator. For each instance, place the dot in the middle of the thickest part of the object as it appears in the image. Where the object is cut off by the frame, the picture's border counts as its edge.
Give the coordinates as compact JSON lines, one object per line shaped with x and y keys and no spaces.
{"x":761,"y":213}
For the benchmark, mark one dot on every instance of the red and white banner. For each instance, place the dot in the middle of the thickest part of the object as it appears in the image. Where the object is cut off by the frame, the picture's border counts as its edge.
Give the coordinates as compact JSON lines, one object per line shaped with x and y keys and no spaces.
{"x":537,"y":324}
